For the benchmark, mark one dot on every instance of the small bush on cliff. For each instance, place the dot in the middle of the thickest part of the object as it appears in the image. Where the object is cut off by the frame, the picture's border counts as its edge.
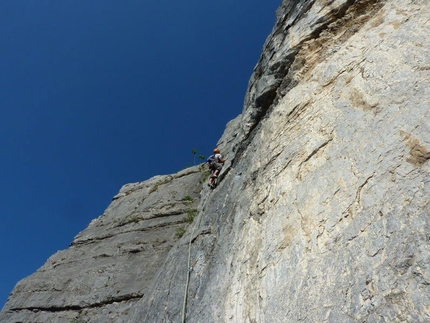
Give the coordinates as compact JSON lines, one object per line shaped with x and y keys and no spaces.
{"x":194,"y":152}
{"x":180,"y":231}
{"x":191,"y":214}
{"x":187,"y":199}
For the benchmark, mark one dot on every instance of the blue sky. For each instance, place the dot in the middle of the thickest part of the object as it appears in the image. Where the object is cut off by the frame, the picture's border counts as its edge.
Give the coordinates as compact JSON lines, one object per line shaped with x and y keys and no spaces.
{"x":97,"y":94}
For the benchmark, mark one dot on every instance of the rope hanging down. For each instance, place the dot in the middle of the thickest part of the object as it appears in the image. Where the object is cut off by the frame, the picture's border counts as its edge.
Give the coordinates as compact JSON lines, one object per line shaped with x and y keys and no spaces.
{"x":184,"y":306}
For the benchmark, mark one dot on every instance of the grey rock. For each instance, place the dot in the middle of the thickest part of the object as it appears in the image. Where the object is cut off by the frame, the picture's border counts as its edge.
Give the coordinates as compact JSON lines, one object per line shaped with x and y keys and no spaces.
{"x":322,"y":212}
{"x":109,"y":266}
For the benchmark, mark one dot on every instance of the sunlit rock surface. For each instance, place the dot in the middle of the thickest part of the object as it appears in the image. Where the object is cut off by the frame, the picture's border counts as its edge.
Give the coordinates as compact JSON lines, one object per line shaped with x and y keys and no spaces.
{"x":110,"y":265}
{"x":323,"y":210}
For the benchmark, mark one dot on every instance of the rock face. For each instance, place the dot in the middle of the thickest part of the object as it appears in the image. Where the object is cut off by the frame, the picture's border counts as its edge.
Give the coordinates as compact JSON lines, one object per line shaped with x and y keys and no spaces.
{"x":322,"y":212}
{"x":111,"y":265}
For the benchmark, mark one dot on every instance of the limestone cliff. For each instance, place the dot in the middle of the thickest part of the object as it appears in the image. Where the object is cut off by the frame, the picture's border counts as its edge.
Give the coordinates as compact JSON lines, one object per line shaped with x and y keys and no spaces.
{"x":322,"y":213}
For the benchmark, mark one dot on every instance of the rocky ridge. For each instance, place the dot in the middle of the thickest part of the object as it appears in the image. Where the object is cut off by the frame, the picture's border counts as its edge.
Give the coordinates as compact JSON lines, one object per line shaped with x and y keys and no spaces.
{"x":322,"y":213}
{"x":110,"y":265}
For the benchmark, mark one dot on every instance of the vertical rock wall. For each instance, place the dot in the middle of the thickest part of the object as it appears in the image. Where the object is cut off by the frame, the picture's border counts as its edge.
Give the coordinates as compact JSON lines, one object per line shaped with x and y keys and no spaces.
{"x":323,"y":210}
{"x":323,"y":213}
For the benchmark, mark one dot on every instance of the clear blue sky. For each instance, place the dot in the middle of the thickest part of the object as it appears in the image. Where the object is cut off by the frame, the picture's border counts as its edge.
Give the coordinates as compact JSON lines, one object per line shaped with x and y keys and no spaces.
{"x":95,"y":94}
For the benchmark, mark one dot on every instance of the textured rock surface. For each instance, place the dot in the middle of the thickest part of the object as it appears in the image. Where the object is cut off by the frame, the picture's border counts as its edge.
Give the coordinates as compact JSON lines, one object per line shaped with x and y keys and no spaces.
{"x":110,"y":265}
{"x":322,"y":214}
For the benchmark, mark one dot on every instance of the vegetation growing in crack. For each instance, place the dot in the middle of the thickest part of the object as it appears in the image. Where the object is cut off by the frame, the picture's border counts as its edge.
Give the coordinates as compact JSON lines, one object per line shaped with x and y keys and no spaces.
{"x":180,"y":231}
{"x":205,"y":176}
{"x":187,"y":199}
{"x":76,"y":320}
{"x":191,"y":214}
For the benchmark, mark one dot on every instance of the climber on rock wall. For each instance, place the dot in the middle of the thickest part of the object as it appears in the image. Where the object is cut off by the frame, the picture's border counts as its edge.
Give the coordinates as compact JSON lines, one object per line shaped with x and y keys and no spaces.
{"x":215,"y":163}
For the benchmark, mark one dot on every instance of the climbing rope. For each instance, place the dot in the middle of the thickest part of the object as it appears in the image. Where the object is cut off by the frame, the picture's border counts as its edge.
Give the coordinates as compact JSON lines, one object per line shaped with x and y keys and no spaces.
{"x":184,"y":306}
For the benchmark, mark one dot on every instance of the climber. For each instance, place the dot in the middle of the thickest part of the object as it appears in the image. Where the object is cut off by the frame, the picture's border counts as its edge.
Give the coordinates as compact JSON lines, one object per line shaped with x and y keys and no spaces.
{"x":215,"y":165}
